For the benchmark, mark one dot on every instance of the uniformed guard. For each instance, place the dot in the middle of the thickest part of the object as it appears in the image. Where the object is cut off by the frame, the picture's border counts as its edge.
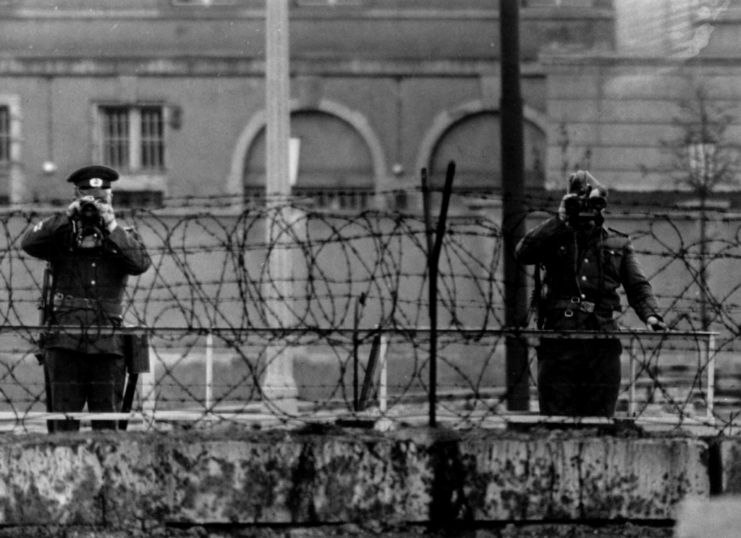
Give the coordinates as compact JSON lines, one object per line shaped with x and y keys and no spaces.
{"x":584,"y":264}
{"x":91,"y":258}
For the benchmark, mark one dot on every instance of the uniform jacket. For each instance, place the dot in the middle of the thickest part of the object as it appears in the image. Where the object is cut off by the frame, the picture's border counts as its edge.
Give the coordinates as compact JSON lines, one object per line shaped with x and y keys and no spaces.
{"x":89,"y":284}
{"x":606,"y":261}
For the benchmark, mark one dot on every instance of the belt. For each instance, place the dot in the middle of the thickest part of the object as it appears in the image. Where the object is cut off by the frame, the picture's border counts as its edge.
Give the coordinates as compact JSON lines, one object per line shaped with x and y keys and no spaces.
{"x":578,"y":304}
{"x":67,"y":301}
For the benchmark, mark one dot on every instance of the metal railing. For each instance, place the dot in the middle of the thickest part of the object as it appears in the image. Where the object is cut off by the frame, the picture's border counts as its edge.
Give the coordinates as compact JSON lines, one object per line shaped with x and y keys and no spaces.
{"x":375,"y":400}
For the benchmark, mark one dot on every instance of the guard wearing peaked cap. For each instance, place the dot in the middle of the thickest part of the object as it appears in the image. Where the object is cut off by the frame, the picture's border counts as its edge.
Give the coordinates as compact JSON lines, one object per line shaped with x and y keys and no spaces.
{"x":93,"y":177}
{"x":91,"y":258}
{"x":584,"y":264}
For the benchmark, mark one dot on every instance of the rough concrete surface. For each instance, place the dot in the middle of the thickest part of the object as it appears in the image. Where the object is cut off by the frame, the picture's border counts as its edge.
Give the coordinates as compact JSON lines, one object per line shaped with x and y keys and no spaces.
{"x":352,"y":482}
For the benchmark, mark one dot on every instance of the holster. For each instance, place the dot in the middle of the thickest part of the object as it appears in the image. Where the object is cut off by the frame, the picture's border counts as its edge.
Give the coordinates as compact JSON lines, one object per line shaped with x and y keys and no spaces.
{"x":40,"y":345}
{"x":136,"y":353}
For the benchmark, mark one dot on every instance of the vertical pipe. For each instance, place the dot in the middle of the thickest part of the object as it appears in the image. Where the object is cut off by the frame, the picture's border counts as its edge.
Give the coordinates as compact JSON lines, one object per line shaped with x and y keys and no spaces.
{"x":513,"y":213}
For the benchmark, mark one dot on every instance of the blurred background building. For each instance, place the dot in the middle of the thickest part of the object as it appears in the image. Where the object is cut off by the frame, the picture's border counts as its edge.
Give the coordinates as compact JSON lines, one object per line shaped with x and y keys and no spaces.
{"x":171,"y":93}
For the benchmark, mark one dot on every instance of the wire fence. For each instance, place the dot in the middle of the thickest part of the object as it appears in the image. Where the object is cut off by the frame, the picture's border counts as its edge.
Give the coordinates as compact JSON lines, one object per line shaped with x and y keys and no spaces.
{"x":279,"y":314}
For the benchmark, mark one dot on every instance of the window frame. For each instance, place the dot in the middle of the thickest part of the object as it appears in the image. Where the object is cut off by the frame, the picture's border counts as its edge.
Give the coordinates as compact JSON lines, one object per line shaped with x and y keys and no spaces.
{"x":135,"y":178}
{"x":134,"y":164}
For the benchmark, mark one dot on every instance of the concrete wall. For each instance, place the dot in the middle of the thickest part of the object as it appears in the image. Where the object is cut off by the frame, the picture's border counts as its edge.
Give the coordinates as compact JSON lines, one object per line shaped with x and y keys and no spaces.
{"x":450,"y":480}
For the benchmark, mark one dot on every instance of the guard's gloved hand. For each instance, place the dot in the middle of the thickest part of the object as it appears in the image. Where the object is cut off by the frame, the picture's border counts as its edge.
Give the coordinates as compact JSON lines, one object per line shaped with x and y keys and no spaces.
{"x":562,"y":216}
{"x":73,"y":209}
{"x":107,"y":214}
{"x":656,"y":324}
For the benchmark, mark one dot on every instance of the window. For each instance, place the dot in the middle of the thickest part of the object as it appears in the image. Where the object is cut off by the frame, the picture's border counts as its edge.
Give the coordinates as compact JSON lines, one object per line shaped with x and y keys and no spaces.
{"x":5,"y":137}
{"x":133,"y":138}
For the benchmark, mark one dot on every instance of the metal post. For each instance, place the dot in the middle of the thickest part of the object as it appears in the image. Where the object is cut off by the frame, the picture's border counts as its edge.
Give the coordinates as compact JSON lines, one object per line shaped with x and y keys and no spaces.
{"x":432,"y":300}
{"x":710,"y":361}
{"x":434,"y":247}
{"x":633,"y":380}
{"x":513,"y":212}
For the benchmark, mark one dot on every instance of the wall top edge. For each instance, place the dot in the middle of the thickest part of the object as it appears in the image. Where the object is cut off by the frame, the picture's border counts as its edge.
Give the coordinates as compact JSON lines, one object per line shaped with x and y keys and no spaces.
{"x":535,"y":13}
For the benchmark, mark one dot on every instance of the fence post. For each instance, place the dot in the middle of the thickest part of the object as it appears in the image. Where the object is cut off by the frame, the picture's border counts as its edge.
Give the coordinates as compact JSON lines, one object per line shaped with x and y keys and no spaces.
{"x":209,"y":370}
{"x":632,"y":387}
{"x":710,"y":351}
{"x":433,"y":257}
{"x":149,"y":394}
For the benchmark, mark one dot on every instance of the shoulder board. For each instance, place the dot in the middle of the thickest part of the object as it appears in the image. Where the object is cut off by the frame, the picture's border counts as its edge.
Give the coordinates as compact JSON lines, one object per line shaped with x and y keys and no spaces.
{"x":613,"y":230}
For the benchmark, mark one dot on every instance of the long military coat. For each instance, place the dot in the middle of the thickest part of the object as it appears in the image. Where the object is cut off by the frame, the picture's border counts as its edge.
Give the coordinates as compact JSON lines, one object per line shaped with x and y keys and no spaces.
{"x":88,"y":284}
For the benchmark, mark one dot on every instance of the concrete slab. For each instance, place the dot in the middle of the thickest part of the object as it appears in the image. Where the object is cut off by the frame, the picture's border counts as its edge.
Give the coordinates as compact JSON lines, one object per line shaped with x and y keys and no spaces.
{"x":326,"y":475}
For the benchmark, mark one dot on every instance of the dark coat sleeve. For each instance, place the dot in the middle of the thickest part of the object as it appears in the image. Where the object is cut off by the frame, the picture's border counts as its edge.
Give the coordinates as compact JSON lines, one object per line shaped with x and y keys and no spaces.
{"x":637,"y":287}
{"x":130,"y":250}
{"x":539,"y":244}
{"x":47,"y":238}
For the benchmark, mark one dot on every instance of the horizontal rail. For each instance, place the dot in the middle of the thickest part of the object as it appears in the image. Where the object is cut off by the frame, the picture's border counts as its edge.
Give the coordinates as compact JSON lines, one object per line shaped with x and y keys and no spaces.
{"x":526,"y":333}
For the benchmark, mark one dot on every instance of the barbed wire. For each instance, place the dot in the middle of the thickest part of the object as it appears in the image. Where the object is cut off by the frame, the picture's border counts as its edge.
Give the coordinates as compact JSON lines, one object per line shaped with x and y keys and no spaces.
{"x":233,"y":295}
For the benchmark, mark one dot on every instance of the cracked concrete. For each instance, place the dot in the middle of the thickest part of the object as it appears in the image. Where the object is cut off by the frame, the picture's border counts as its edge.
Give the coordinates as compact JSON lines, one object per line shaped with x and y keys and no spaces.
{"x":414,"y":476}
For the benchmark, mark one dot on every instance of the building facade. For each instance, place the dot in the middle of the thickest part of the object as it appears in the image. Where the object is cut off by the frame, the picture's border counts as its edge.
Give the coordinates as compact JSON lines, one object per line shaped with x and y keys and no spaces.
{"x":172,"y":93}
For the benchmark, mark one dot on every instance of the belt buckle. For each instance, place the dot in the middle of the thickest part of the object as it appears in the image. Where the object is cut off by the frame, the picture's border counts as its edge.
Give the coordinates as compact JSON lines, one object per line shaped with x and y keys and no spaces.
{"x":586,"y":306}
{"x":568,"y":313}
{"x":575,"y":300}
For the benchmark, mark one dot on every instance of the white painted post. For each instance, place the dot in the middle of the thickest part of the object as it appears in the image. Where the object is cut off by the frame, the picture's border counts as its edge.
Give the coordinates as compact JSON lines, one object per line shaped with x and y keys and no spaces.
{"x":149,"y":394}
{"x":209,"y":371}
{"x":278,"y":383}
{"x":383,"y":381}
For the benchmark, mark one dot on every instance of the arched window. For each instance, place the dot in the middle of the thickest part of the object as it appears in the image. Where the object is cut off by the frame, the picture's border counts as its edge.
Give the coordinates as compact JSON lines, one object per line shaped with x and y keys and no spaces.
{"x":474,"y":144}
{"x":335,"y":168}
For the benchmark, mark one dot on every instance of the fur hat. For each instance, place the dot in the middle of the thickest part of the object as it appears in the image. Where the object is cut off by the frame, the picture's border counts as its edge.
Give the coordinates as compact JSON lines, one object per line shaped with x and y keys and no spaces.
{"x":583,"y":183}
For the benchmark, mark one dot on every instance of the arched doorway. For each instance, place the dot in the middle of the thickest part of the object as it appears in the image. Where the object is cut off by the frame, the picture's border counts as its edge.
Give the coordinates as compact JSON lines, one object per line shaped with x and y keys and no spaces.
{"x":474,"y":143}
{"x":335,"y":167}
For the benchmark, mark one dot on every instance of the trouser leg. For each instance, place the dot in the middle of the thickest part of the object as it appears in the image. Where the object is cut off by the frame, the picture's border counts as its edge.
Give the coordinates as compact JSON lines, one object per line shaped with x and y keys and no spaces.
{"x":579,"y":377}
{"x":67,"y":389}
{"x":603,"y":385}
{"x":105,"y":394}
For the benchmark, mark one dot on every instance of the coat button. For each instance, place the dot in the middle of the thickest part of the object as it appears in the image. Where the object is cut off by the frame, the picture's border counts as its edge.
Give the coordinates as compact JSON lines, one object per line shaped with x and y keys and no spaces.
{"x":92,"y":282}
